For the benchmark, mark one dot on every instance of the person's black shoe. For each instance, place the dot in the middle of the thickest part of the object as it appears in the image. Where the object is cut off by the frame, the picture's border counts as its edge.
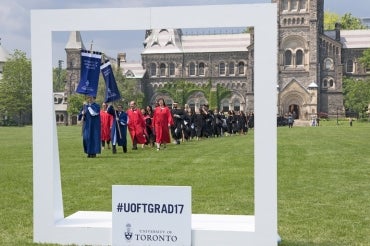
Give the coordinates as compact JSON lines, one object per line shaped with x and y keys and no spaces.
{"x":134,"y":148}
{"x":93,"y":156}
{"x":114,"y":150}
{"x":124,"y":149}
{"x":88,"y":156}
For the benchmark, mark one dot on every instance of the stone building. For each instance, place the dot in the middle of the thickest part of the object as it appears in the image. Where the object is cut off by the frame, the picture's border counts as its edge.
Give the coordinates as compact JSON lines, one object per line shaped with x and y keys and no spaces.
{"x":73,"y":66}
{"x":311,"y":63}
{"x":60,"y":108}
{"x":4,"y":56}
{"x":219,"y":59}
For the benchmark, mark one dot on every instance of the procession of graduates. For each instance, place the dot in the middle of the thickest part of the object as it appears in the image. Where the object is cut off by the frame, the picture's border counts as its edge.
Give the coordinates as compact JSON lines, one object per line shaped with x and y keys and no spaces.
{"x":107,"y":127}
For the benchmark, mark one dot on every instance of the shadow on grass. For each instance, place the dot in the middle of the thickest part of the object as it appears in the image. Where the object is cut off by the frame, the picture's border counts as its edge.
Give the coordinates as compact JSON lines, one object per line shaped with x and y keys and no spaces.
{"x":295,"y":243}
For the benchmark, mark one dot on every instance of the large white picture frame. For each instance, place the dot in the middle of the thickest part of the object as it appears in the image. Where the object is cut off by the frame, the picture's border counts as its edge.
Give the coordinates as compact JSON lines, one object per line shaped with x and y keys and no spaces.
{"x":94,"y":228}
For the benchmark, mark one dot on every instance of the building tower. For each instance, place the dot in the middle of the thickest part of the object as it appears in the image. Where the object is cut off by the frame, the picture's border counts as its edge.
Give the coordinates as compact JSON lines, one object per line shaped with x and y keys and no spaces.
{"x":4,"y":56}
{"x":300,"y":25}
{"x":73,"y":51}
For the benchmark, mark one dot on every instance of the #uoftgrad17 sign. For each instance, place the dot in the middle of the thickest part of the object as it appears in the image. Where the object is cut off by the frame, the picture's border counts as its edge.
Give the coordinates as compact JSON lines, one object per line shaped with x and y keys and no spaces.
{"x":151,"y":215}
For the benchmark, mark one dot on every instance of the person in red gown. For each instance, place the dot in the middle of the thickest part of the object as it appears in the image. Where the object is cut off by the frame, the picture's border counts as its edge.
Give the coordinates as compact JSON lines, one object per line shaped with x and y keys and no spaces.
{"x":162,"y":120}
{"x":106,"y":121}
{"x":136,"y":125}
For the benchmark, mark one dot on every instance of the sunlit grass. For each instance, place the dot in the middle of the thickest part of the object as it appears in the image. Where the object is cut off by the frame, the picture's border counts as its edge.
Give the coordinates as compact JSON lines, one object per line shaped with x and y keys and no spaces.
{"x":323,"y":180}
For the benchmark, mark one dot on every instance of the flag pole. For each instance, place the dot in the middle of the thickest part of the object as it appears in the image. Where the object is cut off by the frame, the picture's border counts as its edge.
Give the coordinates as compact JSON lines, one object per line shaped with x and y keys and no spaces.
{"x":118,"y":126}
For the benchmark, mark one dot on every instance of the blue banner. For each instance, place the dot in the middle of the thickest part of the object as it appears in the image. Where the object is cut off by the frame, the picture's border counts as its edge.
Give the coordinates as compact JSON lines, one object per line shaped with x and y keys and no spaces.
{"x":89,"y":79}
{"x":111,"y":89}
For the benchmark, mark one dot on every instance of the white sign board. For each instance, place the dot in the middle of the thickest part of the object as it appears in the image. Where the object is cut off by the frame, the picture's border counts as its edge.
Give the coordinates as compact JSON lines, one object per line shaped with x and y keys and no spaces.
{"x":151,"y":215}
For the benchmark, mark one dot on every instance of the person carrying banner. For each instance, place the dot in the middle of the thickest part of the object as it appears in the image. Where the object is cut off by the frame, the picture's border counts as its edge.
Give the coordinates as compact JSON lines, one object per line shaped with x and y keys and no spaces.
{"x":136,"y":125}
{"x":106,"y":121}
{"x":90,"y":115}
{"x":119,"y":128}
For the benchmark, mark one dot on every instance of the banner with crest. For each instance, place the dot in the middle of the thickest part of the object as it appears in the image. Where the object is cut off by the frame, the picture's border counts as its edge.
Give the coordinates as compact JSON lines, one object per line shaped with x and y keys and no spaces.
{"x":111,"y":89}
{"x":90,"y":70}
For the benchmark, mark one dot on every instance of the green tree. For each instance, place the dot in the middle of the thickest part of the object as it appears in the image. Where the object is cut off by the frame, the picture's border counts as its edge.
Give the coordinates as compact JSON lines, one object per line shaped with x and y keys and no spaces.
{"x":330,"y":19}
{"x":365,"y":59}
{"x":356,"y":94}
{"x":131,"y":92}
{"x":349,"y":22}
{"x":59,"y":79}
{"x":75,"y":102}
{"x":16,"y":87}
{"x":181,"y":90}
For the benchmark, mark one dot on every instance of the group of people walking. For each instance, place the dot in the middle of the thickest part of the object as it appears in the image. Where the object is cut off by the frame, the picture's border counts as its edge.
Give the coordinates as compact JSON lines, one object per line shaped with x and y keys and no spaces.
{"x":107,"y":127}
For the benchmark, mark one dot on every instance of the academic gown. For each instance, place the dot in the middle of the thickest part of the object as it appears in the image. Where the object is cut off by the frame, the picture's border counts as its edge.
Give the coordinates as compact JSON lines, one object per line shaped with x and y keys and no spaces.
{"x":121,"y":123}
{"x":91,"y":128}
{"x":162,"y":118}
{"x":106,"y":123}
{"x":136,"y":126}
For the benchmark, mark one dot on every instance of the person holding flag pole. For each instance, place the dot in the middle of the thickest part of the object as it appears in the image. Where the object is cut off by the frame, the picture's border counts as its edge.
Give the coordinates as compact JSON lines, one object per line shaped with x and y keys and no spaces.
{"x":90,"y":115}
{"x":119,"y":127}
{"x":90,"y":112}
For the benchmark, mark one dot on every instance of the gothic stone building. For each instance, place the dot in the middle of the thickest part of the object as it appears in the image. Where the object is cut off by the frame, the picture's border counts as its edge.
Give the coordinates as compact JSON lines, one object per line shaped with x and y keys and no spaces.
{"x":311,"y":62}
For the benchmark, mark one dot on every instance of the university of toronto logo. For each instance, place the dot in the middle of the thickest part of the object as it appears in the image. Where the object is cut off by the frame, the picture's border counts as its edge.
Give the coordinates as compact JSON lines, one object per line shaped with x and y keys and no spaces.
{"x":128,"y":233}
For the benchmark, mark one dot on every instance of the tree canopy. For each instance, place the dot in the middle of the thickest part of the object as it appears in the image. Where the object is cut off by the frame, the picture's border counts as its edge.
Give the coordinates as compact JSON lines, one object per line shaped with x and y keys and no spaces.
{"x":356,"y":94}
{"x":347,"y":21}
{"x":365,"y":59}
{"x":181,"y":90}
{"x":16,"y":87}
{"x":59,"y":79}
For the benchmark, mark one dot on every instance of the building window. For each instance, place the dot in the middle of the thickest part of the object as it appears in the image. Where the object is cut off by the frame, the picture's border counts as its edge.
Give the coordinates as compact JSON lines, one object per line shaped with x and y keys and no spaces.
{"x":325,"y":83}
{"x":231,"y":68}
{"x":349,"y":67}
{"x":172,"y":69}
{"x":236,"y":105}
{"x":201,"y":68}
{"x":225,"y":106}
{"x":222,"y":68}
{"x":162,"y":69}
{"x":153,"y":69}
{"x":302,"y":5}
{"x":367,"y":70}
{"x":328,"y":64}
{"x":299,"y":57}
{"x":285,"y":6}
{"x":202,"y":102}
{"x":241,"y":67}
{"x":192,"y":69}
{"x":288,"y":58}
{"x":331,"y":83}
{"x":191,"y":104}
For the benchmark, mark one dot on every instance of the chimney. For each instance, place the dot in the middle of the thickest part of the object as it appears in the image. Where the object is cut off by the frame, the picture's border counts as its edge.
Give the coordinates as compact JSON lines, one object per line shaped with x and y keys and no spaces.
{"x":121,"y":58}
{"x":337,"y":31}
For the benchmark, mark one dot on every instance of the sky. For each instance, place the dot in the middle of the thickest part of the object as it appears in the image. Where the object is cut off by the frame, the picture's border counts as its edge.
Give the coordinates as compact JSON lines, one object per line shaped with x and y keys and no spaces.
{"x":15,"y":23}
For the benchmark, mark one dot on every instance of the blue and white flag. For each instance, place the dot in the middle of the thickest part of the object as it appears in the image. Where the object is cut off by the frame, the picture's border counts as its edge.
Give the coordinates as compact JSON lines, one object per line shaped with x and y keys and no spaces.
{"x":89,"y":79}
{"x":111,"y":89}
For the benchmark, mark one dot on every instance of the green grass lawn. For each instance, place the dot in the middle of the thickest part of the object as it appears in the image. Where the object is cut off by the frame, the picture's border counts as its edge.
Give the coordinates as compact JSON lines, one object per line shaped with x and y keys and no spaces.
{"x":323,"y":180}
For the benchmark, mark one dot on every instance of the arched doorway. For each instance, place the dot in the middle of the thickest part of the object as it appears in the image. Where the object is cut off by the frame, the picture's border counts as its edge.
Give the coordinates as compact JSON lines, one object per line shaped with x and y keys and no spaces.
{"x":294,"y":110}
